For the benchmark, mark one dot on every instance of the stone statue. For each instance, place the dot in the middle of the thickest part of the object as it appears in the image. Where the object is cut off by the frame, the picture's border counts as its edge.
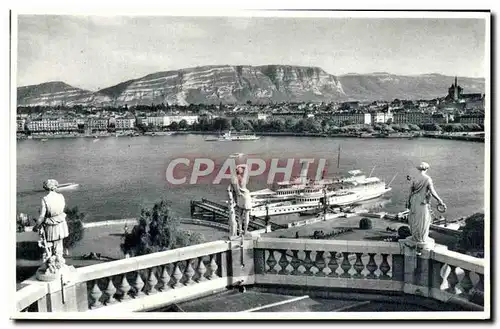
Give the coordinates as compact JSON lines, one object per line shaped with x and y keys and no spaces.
{"x":244,"y":199}
{"x":52,"y":227}
{"x":233,"y":225}
{"x":419,"y":217}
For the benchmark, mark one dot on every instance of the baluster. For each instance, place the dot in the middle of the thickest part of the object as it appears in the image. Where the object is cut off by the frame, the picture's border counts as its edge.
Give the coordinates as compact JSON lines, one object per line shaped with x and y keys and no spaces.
{"x":95,"y":295}
{"x":124,"y":288}
{"x":384,"y":268}
{"x":295,"y":262}
{"x":308,"y":265}
{"x":445,"y":272}
{"x":138,"y":285}
{"x":480,"y":283}
{"x":333,"y":265}
{"x":201,"y":270}
{"x":371,"y":267}
{"x":452,"y":281}
{"x":319,"y":262}
{"x":359,"y":266}
{"x":271,"y":262}
{"x":110,"y":292}
{"x":189,"y":273}
{"x":164,"y":279}
{"x":466,"y":282}
{"x":283,"y":262}
{"x":177,"y":275}
{"x":152,"y":281}
{"x":212,"y":267}
{"x":346,"y":265}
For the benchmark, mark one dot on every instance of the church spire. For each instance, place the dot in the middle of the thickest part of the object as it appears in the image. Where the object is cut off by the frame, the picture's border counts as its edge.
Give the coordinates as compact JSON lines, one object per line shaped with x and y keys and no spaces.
{"x":456,"y":81}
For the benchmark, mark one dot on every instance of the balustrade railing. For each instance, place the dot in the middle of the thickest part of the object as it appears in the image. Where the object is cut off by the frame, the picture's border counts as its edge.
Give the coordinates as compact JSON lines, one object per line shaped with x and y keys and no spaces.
{"x":332,"y":263}
{"x":457,"y":275}
{"x":159,"y":279}
{"x":124,"y":280}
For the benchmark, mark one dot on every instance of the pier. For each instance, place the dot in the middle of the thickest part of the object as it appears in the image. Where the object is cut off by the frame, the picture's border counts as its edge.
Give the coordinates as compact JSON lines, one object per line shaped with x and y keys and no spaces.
{"x":213,"y":211}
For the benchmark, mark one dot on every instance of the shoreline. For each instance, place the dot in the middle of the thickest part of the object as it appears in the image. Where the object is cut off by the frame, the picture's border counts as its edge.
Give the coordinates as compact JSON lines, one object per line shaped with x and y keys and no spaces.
{"x":421,"y":134}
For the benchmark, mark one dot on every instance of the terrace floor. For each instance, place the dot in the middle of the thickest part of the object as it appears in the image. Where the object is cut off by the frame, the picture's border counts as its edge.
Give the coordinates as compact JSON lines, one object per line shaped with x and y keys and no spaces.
{"x":256,"y":300}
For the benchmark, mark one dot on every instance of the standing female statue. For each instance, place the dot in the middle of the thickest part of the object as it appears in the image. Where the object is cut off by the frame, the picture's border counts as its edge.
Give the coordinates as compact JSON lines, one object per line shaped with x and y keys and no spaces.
{"x":419,"y":217}
{"x":244,"y":199}
{"x":52,"y":226}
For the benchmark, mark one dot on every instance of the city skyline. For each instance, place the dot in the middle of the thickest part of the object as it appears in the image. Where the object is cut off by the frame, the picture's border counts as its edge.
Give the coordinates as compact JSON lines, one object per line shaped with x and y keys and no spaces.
{"x":94,"y":52}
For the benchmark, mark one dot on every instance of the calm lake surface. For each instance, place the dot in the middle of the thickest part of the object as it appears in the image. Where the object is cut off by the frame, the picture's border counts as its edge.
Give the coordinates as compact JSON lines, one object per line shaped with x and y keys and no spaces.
{"x":119,"y":175}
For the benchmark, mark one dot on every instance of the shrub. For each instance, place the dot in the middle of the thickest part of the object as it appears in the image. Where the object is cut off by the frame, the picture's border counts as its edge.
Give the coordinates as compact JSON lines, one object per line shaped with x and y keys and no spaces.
{"x":472,"y":236}
{"x":404,"y":232}
{"x":75,"y":220}
{"x":157,"y":230}
{"x":365,"y":224}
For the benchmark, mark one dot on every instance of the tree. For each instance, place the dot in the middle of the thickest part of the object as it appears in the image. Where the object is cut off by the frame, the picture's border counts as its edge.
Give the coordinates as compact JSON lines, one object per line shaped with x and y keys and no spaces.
{"x":157,"y":230}
{"x":183,"y":124}
{"x":448,"y":127}
{"x":289,"y":124}
{"x":414,"y":127}
{"x":248,"y":125}
{"x":75,"y":220}
{"x":221,"y":124}
{"x":238,"y":124}
{"x":174,"y":126}
{"x":277,"y":125}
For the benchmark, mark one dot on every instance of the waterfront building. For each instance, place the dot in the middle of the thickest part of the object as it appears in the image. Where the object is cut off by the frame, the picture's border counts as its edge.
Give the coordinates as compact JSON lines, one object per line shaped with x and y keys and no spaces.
{"x":439,"y":118}
{"x":52,"y":125}
{"x":412,"y":117}
{"x":156,"y":121}
{"x":190,"y":119}
{"x":340,"y":118}
{"x":383,"y":117}
{"x":124,"y":123}
{"x":477,"y":118}
{"x":166,"y":120}
{"x":98,"y":123}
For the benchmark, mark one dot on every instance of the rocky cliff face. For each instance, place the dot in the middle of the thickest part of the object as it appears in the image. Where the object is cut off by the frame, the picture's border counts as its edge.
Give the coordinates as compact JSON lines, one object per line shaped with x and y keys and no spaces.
{"x":239,"y":84}
{"x":229,"y":84}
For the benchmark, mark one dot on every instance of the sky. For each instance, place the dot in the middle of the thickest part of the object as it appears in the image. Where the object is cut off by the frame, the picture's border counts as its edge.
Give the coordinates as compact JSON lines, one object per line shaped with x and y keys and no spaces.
{"x":95,"y":52}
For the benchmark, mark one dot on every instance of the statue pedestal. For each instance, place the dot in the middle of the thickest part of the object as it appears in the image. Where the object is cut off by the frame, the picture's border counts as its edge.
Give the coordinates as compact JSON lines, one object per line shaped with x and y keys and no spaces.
{"x":417,"y":265}
{"x":47,"y":275}
{"x":427,"y":245}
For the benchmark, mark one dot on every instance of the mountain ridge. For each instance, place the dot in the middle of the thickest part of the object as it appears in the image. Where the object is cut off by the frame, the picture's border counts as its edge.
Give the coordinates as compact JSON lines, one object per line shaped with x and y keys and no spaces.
{"x":213,"y":84}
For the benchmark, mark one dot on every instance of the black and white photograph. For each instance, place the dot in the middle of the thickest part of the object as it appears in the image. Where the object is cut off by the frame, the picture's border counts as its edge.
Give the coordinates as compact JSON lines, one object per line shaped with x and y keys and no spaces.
{"x":251,"y":164}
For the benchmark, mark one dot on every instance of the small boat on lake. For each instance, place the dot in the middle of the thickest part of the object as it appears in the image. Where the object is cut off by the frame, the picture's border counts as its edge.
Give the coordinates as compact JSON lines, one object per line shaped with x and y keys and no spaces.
{"x":67,"y":186}
{"x":227,"y":137}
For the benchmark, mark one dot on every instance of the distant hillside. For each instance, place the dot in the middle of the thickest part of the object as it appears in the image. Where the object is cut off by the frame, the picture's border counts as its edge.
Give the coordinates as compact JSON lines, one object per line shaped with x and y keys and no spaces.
{"x":385,"y":86}
{"x":50,"y":93}
{"x":239,"y":84}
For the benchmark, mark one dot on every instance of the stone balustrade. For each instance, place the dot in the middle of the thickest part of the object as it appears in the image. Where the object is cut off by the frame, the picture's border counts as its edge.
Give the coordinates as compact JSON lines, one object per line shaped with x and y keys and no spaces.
{"x":156,"y":280}
{"x":457,"y":275}
{"x":113,"y":284}
{"x":329,"y":263}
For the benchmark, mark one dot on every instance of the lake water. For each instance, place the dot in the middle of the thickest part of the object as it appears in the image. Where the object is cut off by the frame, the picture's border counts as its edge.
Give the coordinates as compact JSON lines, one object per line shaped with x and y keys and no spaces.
{"x":119,"y":175}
